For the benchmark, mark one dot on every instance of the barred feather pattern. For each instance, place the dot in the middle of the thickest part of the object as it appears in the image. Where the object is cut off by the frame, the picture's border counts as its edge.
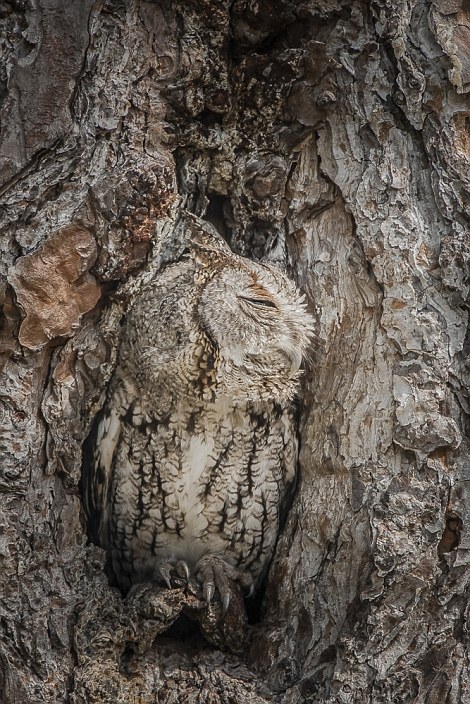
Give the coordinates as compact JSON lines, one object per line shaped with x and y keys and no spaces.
{"x":194,"y":482}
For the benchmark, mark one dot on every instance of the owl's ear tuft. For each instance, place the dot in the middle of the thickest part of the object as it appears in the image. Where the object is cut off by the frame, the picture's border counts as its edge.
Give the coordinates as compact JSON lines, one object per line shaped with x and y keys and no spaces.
{"x":203,"y":240}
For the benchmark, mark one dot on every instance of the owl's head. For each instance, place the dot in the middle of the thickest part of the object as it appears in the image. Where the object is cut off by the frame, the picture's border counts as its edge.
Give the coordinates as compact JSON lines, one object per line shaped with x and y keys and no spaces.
{"x":258,"y":321}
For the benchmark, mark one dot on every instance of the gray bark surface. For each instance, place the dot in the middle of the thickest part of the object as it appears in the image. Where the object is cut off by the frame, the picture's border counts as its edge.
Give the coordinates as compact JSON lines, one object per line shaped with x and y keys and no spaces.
{"x":332,"y":135}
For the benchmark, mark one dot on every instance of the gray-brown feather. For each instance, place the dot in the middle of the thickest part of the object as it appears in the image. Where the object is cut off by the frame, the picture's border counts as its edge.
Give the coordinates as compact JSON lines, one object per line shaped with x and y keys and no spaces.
{"x":196,"y":449}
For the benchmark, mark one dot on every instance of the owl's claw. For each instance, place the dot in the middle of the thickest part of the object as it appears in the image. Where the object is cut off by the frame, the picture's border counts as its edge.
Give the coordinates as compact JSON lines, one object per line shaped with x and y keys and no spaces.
{"x":167,"y":567}
{"x":225,"y":604}
{"x":213,"y":572}
{"x":164,"y":572}
{"x":182,"y":569}
{"x":208,"y":592}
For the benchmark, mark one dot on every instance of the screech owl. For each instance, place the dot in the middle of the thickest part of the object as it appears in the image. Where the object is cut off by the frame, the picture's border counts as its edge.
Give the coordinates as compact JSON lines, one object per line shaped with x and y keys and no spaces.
{"x":194,"y":456}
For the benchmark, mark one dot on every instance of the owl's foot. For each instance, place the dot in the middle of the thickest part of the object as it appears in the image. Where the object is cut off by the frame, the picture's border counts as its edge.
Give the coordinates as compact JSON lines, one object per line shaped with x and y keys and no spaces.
{"x":214,"y":573}
{"x":168,"y":570}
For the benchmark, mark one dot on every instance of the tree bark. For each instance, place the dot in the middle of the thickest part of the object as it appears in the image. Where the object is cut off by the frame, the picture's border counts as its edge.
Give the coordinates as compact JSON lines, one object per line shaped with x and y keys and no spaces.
{"x":332,"y":136}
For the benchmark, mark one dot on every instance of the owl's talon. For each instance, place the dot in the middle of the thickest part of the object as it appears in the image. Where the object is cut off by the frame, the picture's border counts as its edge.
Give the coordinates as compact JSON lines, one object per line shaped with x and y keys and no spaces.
{"x":167,"y":567}
{"x":208,"y":592}
{"x":182,"y":569}
{"x":225,"y":604}
{"x":164,"y":572}
{"x":216,"y":574}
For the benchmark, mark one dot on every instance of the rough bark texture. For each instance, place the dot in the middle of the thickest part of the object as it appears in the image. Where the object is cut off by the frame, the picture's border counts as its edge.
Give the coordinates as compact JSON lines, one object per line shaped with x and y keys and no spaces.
{"x":333,"y":135}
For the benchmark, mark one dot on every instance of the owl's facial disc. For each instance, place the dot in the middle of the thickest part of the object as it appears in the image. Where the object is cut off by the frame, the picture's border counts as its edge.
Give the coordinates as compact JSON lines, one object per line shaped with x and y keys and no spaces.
{"x":257,"y":317}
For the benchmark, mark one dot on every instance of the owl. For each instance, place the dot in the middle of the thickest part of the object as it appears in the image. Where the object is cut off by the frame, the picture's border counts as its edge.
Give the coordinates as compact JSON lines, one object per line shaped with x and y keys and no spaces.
{"x":193,"y":459}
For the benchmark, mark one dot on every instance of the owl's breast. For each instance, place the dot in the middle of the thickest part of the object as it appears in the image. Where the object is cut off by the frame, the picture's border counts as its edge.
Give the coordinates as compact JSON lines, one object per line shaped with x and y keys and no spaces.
{"x":236,"y":467}
{"x":214,"y":483}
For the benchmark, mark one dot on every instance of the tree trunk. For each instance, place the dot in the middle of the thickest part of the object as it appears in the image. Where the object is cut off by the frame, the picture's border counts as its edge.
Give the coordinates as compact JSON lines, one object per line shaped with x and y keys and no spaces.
{"x":331,"y":135}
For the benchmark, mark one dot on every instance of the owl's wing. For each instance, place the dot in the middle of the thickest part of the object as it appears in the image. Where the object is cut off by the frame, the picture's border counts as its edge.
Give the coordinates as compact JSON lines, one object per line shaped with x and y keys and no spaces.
{"x":97,"y":476}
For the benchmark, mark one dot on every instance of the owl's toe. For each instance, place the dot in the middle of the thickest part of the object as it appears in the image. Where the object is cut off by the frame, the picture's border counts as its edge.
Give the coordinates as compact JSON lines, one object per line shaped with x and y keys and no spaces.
{"x":182,"y":569}
{"x":168,"y":570}
{"x":211,"y":572}
{"x":164,"y":573}
{"x":216,"y":574}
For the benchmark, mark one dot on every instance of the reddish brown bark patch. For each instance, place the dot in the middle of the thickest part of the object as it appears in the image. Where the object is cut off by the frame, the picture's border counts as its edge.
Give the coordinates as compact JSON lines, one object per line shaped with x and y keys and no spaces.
{"x":54,"y":287}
